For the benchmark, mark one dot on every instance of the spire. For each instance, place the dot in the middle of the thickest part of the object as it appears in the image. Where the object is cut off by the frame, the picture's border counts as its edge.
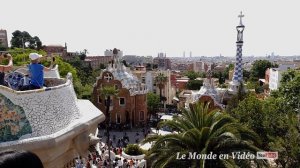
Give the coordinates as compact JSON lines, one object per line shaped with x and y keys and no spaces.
{"x":241,"y":16}
{"x":238,"y":69}
{"x":240,"y":28}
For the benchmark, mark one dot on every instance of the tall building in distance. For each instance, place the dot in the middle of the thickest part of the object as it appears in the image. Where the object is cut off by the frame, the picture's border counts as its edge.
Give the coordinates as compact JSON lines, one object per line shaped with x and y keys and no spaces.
{"x":3,"y":38}
{"x":163,"y":63}
{"x":237,"y":78}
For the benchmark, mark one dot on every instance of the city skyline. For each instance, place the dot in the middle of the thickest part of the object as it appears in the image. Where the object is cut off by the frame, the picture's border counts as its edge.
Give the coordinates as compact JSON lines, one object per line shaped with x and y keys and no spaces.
{"x":147,"y":28}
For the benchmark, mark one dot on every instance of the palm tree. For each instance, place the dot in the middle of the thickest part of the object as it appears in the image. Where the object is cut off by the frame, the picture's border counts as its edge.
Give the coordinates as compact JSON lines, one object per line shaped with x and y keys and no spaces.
{"x":108,"y":92}
{"x":160,"y":81}
{"x":85,"y":51}
{"x":202,"y":131}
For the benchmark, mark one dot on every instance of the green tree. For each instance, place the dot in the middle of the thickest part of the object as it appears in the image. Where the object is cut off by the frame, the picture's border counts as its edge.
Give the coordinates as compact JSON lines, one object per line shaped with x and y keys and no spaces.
{"x":160,"y":81}
{"x":194,"y":84}
{"x":259,"y":68}
{"x":82,"y":55}
{"x":133,"y":150}
{"x":246,"y":75}
{"x":276,"y":124}
{"x":290,"y":88}
{"x":102,"y":66}
{"x":192,"y":75}
{"x":202,"y":74}
{"x":203,"y":131}
{"x":21,"y":57}
{"x":152,"y":102}
{"x":20,"y":39}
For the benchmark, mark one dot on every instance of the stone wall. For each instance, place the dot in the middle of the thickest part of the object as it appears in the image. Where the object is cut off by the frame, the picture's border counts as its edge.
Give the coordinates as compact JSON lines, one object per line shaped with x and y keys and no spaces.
{"x":48,"y":110}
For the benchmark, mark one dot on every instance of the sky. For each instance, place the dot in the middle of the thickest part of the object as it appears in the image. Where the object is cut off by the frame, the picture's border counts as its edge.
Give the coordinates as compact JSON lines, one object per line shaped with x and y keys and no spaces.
{"x":147,"y":27}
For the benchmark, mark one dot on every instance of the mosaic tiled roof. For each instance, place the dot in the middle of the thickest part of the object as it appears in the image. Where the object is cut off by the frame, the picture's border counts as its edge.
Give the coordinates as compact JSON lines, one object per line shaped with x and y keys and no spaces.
{"x":127,"y":79}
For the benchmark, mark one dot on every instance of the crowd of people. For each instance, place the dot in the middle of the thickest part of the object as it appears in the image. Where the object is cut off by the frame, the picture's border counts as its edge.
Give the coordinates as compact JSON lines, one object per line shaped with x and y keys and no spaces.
{"x":96,"y":160}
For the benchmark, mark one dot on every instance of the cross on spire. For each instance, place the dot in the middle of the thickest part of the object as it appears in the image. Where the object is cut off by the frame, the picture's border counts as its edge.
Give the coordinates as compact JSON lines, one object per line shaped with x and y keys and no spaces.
{"x":241,"y":16}
{"x":108,"y":77}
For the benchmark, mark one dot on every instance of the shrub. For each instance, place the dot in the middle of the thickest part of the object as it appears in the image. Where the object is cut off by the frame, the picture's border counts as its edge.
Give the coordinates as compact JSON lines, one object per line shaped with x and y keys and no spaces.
{"x":133,"y":149}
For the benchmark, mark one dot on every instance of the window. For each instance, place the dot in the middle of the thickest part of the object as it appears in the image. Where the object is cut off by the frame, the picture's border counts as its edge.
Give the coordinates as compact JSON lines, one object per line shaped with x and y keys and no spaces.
{"x":122,"y":101}
{"x":116,"y":87}
{"x":143,"y":80}
{"x":99,"y":99}
{"x":141,"y":115}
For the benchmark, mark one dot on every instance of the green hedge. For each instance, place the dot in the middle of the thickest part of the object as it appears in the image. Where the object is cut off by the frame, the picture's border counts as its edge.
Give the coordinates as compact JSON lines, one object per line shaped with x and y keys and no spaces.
{"x":134,"y":150}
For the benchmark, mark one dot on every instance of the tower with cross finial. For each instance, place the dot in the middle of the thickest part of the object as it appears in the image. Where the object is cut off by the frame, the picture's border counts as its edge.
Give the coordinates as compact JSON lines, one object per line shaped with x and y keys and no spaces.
{"x":237,"y":78}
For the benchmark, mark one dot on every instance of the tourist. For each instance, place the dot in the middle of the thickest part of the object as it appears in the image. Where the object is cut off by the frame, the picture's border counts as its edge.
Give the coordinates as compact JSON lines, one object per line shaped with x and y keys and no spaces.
{"x":134,"y":165}
{"x":78,"y":163}
{"x":105,"y":163}
{"x":120,"y":152}
{"x":100,"y":163}
{"x":120,"y":163}
{"x":36,"y":72}
{"x":125,"y":164}
{"x":5,"y":68}
{"x":19,"y":159}
{"x":130,"y":162}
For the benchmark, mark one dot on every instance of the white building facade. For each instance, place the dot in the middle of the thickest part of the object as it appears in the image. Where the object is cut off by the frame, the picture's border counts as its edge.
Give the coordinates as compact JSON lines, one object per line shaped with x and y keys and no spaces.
{"x":276,"y":75}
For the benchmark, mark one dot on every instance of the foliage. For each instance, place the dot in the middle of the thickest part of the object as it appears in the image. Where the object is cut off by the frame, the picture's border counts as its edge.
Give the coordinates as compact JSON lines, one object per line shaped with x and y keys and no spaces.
{"x":202,"y":75}
{"x":82,"y":56}
{"x":65,"y":67}
{"x":108,"y":91}
{"x":152,"y":102}
{"x":290,"y":88}
{"x":203,"y":131}
{"x":246,"y":74}
{"x":220,"y":75}
{"x":259,"y":68}
{"x":277,"y":125}
{"x":194,"y":84}
{"x":102,"y":66}
{"x":133,"y":150}
{"x":191,"y":75}
{"x":236,"y":99}
{"x":160,"y":81}
{"x":84,"y":71}
{"x":20,"y":39}
{"x":21,"y":57}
